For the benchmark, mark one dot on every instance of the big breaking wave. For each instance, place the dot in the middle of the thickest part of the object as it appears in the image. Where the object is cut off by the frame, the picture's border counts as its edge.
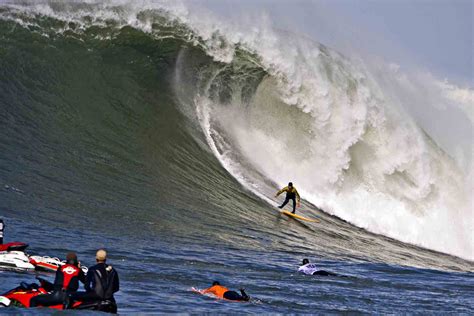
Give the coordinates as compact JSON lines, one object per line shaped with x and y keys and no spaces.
{"x":275,"y":107}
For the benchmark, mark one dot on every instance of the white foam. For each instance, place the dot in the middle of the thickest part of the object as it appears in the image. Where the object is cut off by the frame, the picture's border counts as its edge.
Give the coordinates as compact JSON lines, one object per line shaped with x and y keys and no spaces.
{"x":367,"y":161}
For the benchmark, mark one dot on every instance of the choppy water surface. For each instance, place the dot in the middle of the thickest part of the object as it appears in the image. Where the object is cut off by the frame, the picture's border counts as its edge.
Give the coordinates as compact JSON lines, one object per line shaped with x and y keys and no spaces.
{"x":115,"y":137}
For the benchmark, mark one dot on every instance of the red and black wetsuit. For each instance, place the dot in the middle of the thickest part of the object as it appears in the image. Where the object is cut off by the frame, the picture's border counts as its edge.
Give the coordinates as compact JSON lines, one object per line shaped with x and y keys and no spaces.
{"x":66,"y":282}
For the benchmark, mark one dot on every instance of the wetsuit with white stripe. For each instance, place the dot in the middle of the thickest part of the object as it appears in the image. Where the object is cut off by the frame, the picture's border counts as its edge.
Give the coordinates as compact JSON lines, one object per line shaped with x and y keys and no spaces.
{"x":312,"y":269}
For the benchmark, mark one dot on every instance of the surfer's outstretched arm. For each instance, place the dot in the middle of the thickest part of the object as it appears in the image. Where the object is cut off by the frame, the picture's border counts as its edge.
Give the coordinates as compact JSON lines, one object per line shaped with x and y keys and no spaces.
{"x":281,"y":191}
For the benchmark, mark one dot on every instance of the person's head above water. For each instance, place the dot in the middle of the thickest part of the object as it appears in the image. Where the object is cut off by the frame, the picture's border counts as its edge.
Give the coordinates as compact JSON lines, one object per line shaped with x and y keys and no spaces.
{"x":290,"y":184}
{"x":215,"y":283}
{"x":101,"y":255}
{"x":71,"y":258}
{"x":305,"y":261}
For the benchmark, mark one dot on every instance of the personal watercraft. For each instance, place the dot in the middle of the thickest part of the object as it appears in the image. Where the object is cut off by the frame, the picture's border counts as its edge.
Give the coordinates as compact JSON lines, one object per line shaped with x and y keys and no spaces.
{"x":49,"y":264}
{"x":13,"y":257}
{"x":15,"y":260}
{"x":22,"y":295}
{"x":13,"y":246}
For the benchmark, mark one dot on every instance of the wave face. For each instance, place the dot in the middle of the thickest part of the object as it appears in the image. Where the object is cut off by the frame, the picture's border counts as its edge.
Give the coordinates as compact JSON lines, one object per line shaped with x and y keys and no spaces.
{"x":130,"y":104}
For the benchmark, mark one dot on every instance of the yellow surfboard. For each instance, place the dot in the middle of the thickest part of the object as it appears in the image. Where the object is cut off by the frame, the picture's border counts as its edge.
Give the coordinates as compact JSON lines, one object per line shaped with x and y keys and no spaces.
{"x":300,"y":217}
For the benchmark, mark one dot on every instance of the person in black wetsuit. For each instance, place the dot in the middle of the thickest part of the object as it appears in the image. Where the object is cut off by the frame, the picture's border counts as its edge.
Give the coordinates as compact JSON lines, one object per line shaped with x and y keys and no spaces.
{"x":101,"y":283}
{"x":66,"y":282}
{"x":311,"y":269}
{"x":291,"y":194}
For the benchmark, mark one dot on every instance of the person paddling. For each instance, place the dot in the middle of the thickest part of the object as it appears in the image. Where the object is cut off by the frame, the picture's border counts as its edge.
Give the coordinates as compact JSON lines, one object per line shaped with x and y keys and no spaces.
{"x":291,"y":194}
{"x":223,"y":292}
{"x":312,"y":269}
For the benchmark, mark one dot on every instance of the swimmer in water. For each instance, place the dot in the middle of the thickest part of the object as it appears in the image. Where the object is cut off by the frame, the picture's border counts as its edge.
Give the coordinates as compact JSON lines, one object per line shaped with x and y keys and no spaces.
{"x":311,"y":269}
{"x":223,"y":292}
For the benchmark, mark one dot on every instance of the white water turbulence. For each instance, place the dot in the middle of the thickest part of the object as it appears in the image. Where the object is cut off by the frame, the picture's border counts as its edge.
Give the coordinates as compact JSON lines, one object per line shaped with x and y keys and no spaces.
{"x":325,"y":123}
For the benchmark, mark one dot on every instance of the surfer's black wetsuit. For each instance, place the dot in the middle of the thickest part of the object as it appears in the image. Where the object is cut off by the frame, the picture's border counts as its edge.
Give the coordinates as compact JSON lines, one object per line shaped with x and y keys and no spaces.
{"x":234,"y":296}
{"x":324,"y":273}
{"x":101,"y":283}
{"x":289,"y":196}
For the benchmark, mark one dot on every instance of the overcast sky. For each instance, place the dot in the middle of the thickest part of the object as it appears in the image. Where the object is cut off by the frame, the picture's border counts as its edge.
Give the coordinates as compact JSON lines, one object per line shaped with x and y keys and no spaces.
{"x":434,"y":34}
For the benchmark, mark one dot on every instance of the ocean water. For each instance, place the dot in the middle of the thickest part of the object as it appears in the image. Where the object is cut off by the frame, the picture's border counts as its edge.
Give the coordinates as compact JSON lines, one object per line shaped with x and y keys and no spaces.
{"x":142,"y":129}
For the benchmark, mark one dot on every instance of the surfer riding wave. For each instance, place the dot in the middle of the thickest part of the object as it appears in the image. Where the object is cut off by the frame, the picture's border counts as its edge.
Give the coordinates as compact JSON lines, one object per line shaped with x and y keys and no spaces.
{"x":291,"y":194}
